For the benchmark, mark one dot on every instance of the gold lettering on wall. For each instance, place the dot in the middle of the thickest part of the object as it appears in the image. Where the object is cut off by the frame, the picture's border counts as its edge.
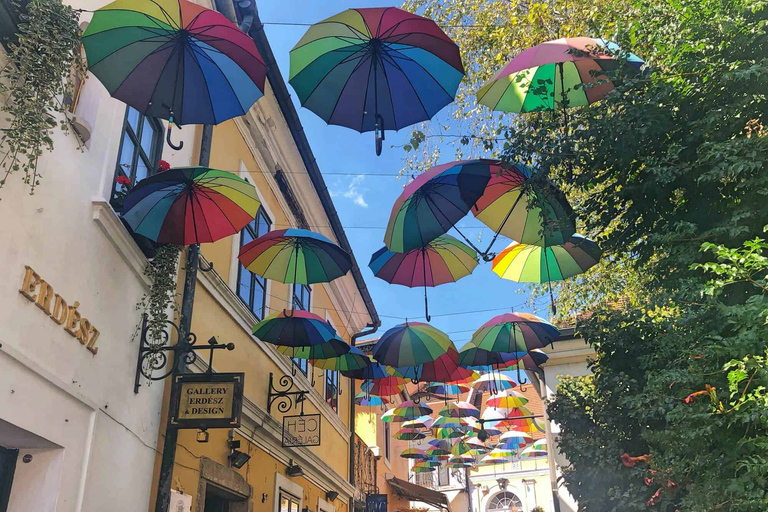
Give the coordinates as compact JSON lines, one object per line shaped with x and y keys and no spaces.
{"x":36,"y":290}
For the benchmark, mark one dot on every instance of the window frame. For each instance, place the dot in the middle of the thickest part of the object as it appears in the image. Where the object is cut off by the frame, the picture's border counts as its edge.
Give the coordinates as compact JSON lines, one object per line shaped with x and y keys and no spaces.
{"x":388,"y":442}
{"x":150,"y":159}
{"x":332,"y":383}
{"x":498,"y":496}
{"x":255,"y":280}
{"x":301,"y":364}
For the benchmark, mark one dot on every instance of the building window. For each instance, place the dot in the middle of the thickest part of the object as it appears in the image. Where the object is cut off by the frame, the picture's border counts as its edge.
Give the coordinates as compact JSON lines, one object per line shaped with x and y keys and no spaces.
{"x":302,"y":296}
{"x":443,"y":476}
{"x":505,"y":502}
{"x":252,"y":289}
{"x":288,"y":502}
{"x":332,"y":389}
{"x":140,"y":147}
{"x":425,"y":479}
{"x":387,"y":442}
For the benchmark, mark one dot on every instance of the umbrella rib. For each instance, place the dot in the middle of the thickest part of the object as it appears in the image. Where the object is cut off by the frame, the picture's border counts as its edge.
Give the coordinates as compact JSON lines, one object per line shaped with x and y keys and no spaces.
{"x":167,"y":195}
{"x":395,"y":64}
{"x":195,"y":50}
{"x":405,"y":57}
{"x":204,"y":192}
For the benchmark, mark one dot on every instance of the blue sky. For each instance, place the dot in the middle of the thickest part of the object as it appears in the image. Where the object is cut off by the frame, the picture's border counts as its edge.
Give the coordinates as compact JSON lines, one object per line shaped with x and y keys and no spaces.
{"x":364,"y":202}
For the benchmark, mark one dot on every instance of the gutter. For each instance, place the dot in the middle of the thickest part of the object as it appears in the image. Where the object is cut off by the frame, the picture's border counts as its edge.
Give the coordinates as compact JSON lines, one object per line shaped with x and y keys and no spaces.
{"x":252,"y":23}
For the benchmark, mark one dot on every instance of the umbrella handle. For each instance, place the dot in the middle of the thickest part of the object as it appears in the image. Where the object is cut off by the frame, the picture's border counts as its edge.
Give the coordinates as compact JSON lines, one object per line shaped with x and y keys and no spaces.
{"x":285,"y":313}
{"x":168,"y":138}
{"x":379,"y":132}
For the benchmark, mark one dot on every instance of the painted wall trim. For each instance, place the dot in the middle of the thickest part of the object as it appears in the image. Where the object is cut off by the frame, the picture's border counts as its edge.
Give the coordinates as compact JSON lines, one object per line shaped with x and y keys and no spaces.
{"x":111,"y":225}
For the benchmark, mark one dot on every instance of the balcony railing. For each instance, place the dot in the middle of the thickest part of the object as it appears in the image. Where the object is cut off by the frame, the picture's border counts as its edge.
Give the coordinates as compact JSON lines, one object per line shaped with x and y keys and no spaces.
{"x":365,"y":470}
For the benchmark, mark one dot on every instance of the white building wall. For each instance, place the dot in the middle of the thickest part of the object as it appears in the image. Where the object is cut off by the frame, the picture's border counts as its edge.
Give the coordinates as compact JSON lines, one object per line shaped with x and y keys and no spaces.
{"x":92,"y":440}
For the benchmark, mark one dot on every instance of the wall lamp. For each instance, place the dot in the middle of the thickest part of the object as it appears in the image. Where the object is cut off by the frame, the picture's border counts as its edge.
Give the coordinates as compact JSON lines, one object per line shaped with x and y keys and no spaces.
{"x":502,"y":483}
{"x":293,"y":469}
{"x":331,"y":496}
{"x":237,"y":458}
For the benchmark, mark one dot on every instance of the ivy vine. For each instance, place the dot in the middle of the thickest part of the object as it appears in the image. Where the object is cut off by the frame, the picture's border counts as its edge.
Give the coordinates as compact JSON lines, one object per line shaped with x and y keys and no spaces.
{"x":35,"y":79}
{"x":161,"y":298}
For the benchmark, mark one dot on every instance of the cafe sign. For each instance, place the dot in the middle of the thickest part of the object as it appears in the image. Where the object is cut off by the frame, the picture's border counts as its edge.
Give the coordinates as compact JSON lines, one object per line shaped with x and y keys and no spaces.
{"x":301,"y":430}
{"x":207,"y":400}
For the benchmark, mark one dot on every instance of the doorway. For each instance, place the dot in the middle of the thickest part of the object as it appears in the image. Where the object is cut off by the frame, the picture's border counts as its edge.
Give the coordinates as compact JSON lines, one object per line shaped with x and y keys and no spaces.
{"x":7,"y":469}
{"x":219,"y":500}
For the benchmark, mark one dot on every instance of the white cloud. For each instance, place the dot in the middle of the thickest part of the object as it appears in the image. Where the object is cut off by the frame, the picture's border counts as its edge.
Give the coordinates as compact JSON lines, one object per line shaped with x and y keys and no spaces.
{"x":354,"y":191}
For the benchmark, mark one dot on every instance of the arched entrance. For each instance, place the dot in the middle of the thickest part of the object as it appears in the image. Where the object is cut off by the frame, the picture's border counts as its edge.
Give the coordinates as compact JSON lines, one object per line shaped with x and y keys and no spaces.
{"x":505,"y":502}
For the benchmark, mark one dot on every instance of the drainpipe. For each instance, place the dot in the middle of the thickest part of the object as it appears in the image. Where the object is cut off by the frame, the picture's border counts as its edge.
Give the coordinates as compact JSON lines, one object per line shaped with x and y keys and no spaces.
{"x":540,"y":384}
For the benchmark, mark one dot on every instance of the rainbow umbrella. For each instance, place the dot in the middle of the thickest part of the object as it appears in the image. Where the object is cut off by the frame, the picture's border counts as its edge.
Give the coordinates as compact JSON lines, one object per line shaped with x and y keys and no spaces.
{"x":366,"y":400}
{"x":450,"y":422}
{"x":389,"y":416}
{"x":420,"y":422}
{"x":428,"y":463}
{"x":489,"y":428}
{"x":434,"y":202}
{"x":462,"y":460}
{"x":533,"y":453}
{"x":443,"y":260}
{"x":480,"y":359}
{"x":174,"y":60}
{"x":443,"y":369}
{"x":450,"y":433}
{"x":439,"y":388}
{"x":459,"y":410}
{"x":409,"y":434}
{"x":412,"y":410}
{"x":190,"y":205}
{"x":539,"y":444}
{"x":387,"y":386}
{"x":297,"y":329}
{"x":295,"y":256}
{"x":514,"y":333}
{"x":511,"y":399}
{"x":413,"y":453}
{"x":534,"y":264}
{"x":442,"y":448}
{"x":490,"y":460}
{"x":328,"y":350}
{"x":531,"y":361}
{"x":493,"y":383}
{"x":374,"y":69}
{"x":518,"y":420}
{"x":411,"y":344}
{"x":353,"y":360}
{"x":502,"y":453}
{"x":422,"y":469}
{"x":513,"y":439}
{"x":371,"y":371}
{"x":567,"y":72}
{"x":525,"y":207}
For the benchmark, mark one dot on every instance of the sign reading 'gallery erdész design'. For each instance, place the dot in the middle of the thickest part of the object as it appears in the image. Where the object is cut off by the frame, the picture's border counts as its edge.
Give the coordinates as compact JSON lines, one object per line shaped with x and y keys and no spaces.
{"x":207,"y":400}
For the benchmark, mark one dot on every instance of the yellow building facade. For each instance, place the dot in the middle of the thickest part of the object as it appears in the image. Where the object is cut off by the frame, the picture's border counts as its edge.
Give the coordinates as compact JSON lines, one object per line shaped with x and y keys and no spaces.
{"x":267,"y":147}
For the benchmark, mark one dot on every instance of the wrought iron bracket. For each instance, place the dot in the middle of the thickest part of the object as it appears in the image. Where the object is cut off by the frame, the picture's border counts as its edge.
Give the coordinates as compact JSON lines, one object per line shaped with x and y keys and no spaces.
{"x":286,"y":397}
{"x":153,"y":357}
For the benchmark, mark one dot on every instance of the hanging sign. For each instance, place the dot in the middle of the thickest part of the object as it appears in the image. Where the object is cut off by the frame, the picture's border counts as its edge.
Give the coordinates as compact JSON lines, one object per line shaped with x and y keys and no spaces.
{"x":301,"y":430}
{"x":207,"y":400}
{"x":376,"y":503}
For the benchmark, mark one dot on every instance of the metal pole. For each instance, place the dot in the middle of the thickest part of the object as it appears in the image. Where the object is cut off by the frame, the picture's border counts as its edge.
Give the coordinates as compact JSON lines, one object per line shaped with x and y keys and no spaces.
{"x":163,"y":501}
{"x":550,"y":443}
{"x":468,"y":487}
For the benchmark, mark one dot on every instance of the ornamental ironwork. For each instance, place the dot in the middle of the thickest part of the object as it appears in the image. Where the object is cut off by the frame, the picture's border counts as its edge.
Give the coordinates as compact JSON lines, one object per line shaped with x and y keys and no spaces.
{"x":286,"y":396}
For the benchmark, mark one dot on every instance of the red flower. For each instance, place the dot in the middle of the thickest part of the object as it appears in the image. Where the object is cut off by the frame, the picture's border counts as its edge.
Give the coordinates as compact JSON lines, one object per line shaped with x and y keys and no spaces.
{"x":123,"y":180}
{"x":655,"y":498}
{"x":630,"y":462}
{"x":648,"y":480}
{"x":671,"y":484}
{"x":162,"y":165}
{"x":690,"y":398}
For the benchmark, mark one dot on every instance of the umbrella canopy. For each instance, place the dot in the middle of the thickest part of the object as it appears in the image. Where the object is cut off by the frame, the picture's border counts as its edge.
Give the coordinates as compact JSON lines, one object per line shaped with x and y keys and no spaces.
{"x":295,"y":256}
{"x":420,"y":422}
{"x":372,"y":371}
{"x":295,"y":329}
{"x":417,"y":468}
{"x":432,"y":203}
{"x":490,"y":460}
{"x":514,"y":333}
{"x":190,"y":205}
{"x":493,"y":383}
{"x":502,"y":453}
{"x":449,"y":433}
{"x":534,"y":264}
{"x":412,"y":410}
{"x":366,"y":400}
{"x":414,"y":453}
{"x":539,"y":444}
{"x":448,"y":422}
{"x":460,"y":448}
{"x":462,"y":460}
{"x":513,"y":439}
{"x":555,"y":74}
{"x":511,"y":399}
{"x":459,"y":410}
{"x":475,"y":358}
{"x":387,"y":386}
{"x":439,"y":388}
{"x":409,"y":434}
{"x":532,"y":453}
{"x":525,"y":209}
{"x":174,"y":59}
{"x":443,"y":260}
{"x":443,"y":369}
{"x":439,"y":448}
{"x":389,"y":416}
{"x":375,"y":69}
{"x":516,"y":419}
{"x":332,"y":348}
{"x":489,"y":428}
{"x":353,"y":360}
{"x":477,"y":444}
{"x":531,"y":361}
{"x":411,"y":344}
